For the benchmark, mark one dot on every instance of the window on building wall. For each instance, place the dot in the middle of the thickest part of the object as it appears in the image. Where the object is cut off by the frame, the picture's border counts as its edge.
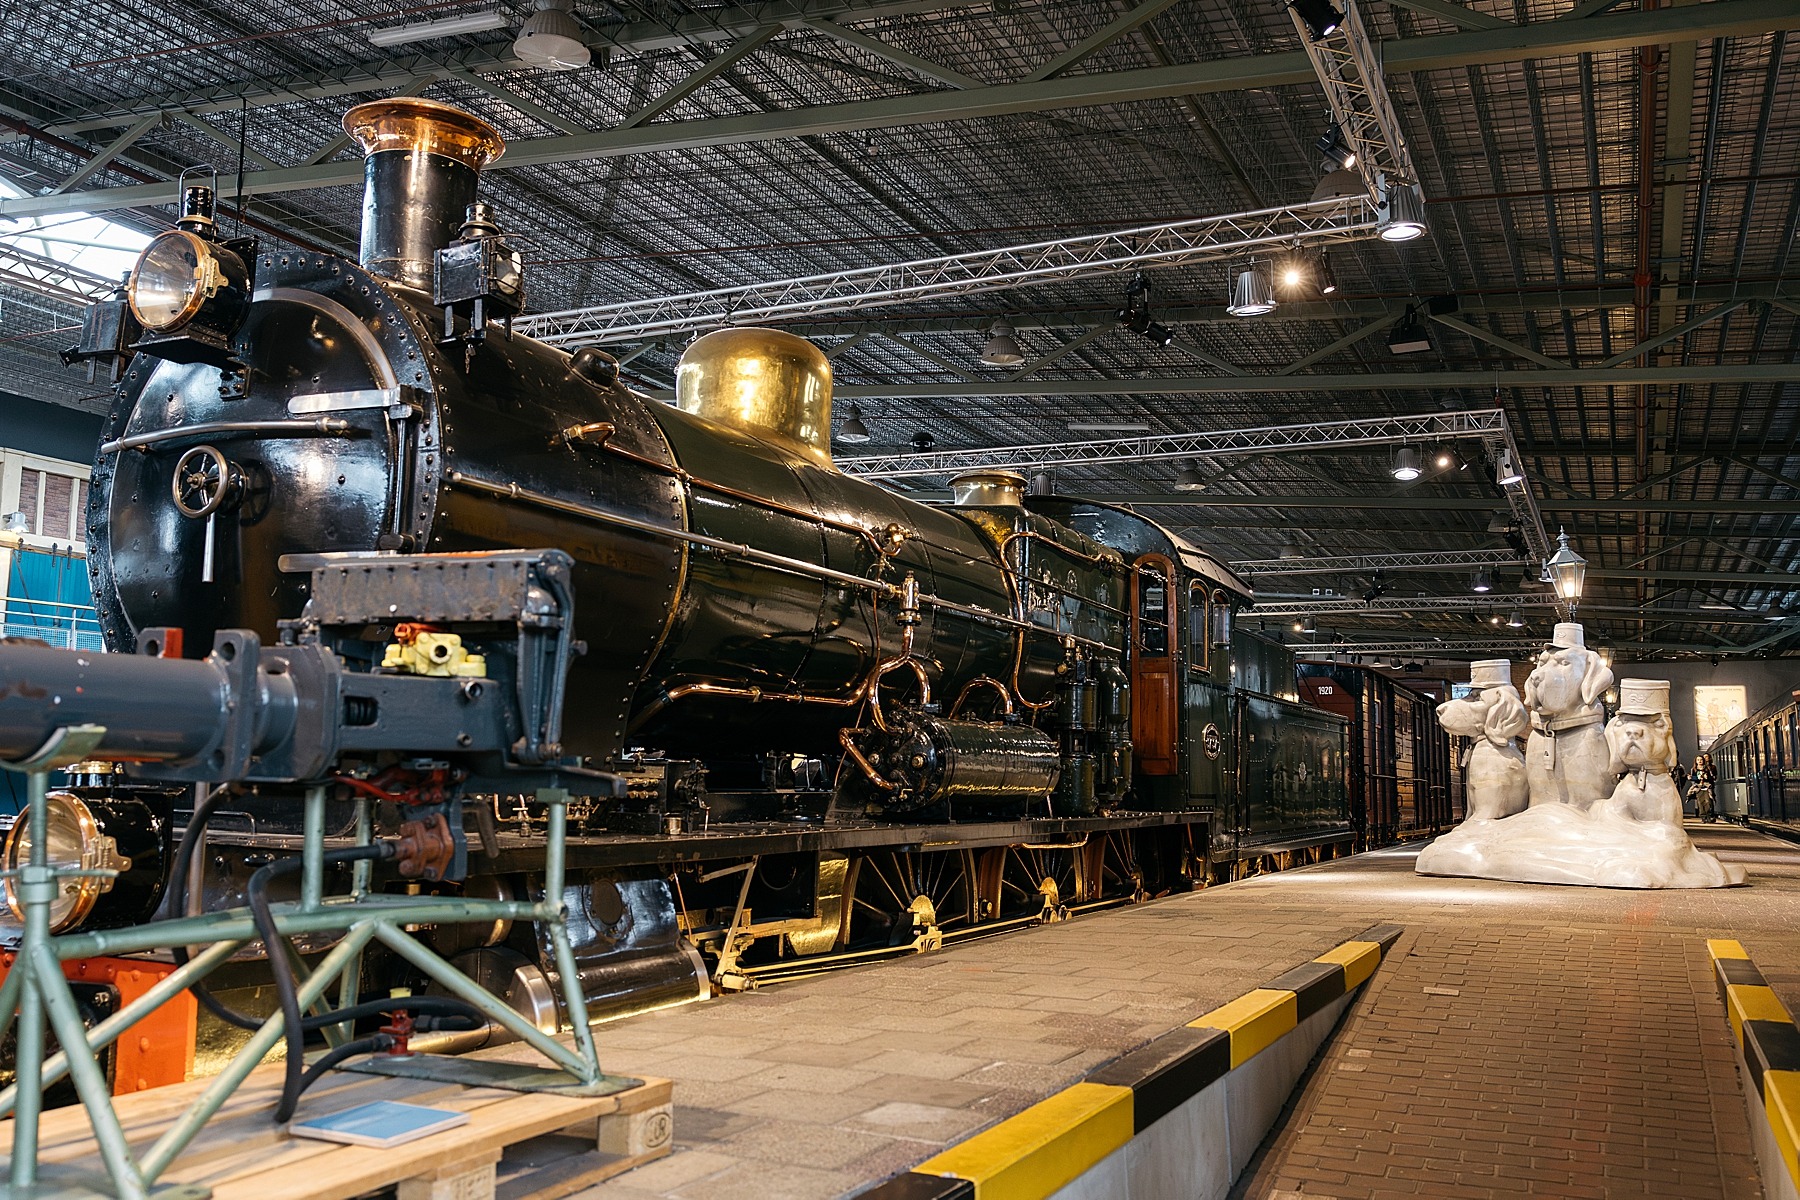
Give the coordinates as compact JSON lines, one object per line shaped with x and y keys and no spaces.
{"x":1717,"y":707}
{"x":54,"y":505}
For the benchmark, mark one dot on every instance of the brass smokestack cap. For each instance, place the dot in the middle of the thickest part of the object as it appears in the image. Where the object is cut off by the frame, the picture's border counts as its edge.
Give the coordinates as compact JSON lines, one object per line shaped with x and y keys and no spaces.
{"x":409,"y":123}
{"x":771,"y":385}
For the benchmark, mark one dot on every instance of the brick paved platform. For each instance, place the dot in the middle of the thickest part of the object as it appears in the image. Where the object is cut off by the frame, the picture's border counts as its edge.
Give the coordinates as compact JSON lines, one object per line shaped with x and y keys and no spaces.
{"x":1524,"y":1040}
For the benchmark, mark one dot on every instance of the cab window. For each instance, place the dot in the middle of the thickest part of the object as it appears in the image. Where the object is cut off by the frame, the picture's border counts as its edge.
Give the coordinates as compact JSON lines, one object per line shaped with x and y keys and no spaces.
{"x":1199,"y":631}
{"x":1153,"y":615}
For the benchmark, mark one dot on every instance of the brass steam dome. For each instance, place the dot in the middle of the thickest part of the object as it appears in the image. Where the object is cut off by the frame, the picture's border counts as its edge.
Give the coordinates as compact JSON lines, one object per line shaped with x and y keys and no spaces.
{"x":771,"y":385}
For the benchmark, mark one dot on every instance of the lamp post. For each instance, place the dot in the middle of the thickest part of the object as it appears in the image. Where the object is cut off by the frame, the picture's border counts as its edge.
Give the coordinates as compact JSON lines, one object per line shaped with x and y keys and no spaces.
{"x":1567,"y":571}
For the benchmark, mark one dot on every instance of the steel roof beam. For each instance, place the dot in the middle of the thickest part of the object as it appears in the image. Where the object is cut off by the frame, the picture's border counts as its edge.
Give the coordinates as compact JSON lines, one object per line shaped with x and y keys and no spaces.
{"x":1544,"y":39}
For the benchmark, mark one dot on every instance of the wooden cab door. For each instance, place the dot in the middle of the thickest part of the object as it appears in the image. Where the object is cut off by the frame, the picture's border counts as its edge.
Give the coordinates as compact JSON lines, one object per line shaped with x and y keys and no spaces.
{"x":1155,"y":686}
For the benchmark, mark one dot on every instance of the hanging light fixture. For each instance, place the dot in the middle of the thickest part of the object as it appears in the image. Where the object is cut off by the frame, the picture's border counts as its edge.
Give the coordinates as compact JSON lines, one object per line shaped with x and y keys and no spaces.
{"x":1002,"y":349}
{"x":853,"y":429}
{"x":1406,"y":464}
{"x":1506,"y":470}
{"x":1482,"y":583}
{"x":1408,"y":336}
{"x":1515,"y":620}
{"x":1291,"y":550}
{"x":1321,"y":18}
{"x":1189,"y":478}
{"x":551,"y":39}
{"x":400,"y":35}
{"x":1401,"y":212}
{"x":1567,"y":571}
{"x":1328,"y":284}
{"x":1252,"y":295}
{"x":1336,"y":151}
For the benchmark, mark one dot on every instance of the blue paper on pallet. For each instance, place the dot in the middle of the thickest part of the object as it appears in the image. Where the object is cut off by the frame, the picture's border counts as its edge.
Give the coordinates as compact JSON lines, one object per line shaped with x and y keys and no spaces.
{"x":380,"y":1123}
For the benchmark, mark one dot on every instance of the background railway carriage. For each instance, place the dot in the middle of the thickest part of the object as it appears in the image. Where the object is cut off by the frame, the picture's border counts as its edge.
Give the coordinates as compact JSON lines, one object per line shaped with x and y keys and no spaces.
{"x":1757,"y":764}
{"x":1400,"y":769}
{"x":1216,"y":723}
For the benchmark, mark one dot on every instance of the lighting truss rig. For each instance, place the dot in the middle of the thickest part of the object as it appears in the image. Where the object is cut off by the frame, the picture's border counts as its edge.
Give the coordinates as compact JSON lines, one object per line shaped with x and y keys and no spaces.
{"x":21,"y":268}
{"x":1348,"y":65}
{"x":1348,"y":606}
{"x":1488,"y":425}
{"x":1203,"y":239}
{"x":1362,"y":564}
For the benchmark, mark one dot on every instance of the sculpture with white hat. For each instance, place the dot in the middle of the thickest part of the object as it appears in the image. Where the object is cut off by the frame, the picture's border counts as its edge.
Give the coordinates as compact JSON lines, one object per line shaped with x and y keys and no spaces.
{"x":1494,"y":781}
{"x":1632,"y":838}
{"x":1566,"y":758}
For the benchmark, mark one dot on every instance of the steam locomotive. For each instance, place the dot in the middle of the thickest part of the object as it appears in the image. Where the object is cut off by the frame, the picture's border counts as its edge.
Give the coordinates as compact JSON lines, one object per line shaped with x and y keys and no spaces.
{"x":824,"y":723}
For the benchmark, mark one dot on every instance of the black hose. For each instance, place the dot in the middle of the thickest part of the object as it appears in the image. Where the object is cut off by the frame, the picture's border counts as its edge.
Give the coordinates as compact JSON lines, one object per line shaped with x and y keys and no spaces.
{"x":286,"y":986}
{"x":374,"y":1044}
{"x":446,"y":1006}
{"x":191,"y":838}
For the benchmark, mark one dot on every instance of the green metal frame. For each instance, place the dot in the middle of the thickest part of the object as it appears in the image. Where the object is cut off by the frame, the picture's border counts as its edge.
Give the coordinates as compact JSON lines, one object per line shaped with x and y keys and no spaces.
{"x":36,"y":993}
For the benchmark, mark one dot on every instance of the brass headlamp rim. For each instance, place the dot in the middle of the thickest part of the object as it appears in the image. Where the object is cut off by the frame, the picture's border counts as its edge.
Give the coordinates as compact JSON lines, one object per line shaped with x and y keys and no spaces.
{"x":415,"y":124}
{"x":197,"y":297}
{"x":86,"y":889}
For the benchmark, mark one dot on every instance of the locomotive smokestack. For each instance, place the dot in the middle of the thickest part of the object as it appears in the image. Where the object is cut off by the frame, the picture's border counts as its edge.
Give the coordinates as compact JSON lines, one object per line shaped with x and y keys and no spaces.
{"x":424,"y":159}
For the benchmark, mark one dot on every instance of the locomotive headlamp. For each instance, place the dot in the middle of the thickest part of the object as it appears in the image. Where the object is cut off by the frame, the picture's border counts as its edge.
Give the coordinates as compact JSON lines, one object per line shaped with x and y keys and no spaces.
{"x":74,"y":842}
{"x":188,"y":290}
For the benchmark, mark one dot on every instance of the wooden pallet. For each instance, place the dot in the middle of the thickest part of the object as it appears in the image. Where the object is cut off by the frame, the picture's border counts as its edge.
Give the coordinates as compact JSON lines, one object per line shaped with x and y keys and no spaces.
{"x":516,"y":1146}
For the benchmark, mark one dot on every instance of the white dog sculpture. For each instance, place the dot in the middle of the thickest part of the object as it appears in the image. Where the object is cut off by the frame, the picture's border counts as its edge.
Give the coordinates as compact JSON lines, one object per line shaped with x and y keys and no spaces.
{"x":1642,"y":744}
{"x":1566,"y":760}
{"x":1493,"y":769}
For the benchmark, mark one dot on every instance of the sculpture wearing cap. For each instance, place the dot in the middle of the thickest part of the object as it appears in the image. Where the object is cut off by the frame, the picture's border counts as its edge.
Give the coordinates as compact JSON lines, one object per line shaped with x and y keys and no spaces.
{"x":1566,"y":759}
{"x":1494,"y":779}
{"x":1642,"y":742}
{"x":1632,"y":838}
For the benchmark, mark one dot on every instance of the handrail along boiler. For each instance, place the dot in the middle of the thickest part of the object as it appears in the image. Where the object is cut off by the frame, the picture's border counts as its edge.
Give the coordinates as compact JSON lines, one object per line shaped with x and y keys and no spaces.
{"x":807,"y":718}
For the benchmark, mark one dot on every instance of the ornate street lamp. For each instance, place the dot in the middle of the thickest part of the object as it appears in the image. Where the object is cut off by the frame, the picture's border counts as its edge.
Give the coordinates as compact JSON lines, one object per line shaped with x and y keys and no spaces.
{"x":1567,"y":571}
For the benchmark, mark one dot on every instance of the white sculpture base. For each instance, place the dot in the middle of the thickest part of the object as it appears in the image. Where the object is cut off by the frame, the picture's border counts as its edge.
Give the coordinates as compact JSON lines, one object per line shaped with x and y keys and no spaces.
{"x":1600,"y":847}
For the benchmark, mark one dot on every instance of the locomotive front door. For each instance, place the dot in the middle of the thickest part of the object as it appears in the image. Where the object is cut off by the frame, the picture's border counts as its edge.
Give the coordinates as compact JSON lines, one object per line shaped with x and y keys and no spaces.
{"x":1155,"y":697}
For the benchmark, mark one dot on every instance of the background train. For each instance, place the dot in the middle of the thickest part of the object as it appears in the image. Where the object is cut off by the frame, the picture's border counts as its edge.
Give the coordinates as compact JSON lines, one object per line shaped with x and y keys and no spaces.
{"x":846,"y":724}
{"x":1757,"y":766}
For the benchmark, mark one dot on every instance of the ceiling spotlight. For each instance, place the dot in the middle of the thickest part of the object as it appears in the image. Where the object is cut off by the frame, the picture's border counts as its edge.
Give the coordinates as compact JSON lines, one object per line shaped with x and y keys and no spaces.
{"x":1401,"y":212}
{"x":853,"y":429}
{"x":1515,"y":620}
{"x":922,"y":442}
{"x":1327,"y":281}
{"x":1506,"y":470}
{"x":1337,"y":152}
{"x":1394,"y":662}
{"x":1321,"y":18}
{"x":1493,"y":618}
{"x":1444,"y":459}
{"x":1415,"y":667}
{"x":1292,"y":550}
{"x":400,"y":35}
{"x":1135,"y":316}
{"x":1002,"y":349}
{"x":1189,"y":478}
{"x":1251,"y":293}
{"x":1406,"y":464}
{"x":1376,"y":589}
{"x":551,"y":39}
{"x":1305,"y":625}
{"x":1482,"y":583}
{"x":1408,"y":335}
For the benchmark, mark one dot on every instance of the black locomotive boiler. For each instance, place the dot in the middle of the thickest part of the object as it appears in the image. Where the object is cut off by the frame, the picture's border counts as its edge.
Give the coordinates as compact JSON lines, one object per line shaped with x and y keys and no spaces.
{"x":841,"y":724}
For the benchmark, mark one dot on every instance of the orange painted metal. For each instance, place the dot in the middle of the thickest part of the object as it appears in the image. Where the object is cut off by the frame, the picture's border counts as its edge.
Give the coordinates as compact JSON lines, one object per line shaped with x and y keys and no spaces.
{"x":157,"y":1050}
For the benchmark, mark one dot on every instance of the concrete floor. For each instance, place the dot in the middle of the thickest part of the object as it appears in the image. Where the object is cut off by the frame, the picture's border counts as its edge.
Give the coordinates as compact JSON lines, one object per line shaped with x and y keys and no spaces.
{"x":1524,"y":1039}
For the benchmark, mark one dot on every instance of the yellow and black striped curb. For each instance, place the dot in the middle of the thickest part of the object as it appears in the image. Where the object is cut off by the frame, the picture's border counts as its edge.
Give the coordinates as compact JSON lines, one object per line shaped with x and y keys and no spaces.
{"x":1029,"y":1156}
{"x":1770,"y":1043}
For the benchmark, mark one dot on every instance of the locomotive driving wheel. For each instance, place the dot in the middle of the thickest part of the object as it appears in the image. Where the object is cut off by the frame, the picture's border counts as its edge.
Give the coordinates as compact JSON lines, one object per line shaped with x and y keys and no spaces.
{"x":1111,"y":869}
{"x":898,"y":896}
{"x":1030,"y":882}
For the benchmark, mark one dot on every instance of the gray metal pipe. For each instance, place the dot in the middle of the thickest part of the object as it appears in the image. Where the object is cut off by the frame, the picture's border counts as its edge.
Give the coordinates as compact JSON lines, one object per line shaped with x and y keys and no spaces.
{"x":154,"y":709}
